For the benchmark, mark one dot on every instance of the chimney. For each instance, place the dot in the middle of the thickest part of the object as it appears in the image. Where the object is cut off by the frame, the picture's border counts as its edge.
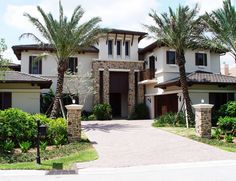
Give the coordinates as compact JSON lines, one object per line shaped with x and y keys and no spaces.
{"x":225,"y":69}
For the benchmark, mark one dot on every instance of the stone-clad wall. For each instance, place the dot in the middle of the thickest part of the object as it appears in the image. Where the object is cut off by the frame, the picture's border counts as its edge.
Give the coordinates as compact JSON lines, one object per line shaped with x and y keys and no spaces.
{"x":106,"y":67}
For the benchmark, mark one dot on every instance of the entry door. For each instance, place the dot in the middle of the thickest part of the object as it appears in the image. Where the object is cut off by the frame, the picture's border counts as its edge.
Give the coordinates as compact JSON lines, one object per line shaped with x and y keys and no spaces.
{"x":115,"y":102}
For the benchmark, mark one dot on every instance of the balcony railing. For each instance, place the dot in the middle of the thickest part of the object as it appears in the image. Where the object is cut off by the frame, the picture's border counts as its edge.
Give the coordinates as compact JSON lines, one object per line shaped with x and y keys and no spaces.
{"x":147,"y":74}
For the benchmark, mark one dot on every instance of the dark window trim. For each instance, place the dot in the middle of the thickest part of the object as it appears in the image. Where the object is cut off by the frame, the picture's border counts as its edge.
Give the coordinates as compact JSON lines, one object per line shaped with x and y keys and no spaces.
{"x":127,"y":48}
{"x":31,"y":59}
{"x":198,"y":62}
{"x":72,"y":67}
{"x":167,"y":57}
{"x":118,"y":48}
{"x":110,"y":47}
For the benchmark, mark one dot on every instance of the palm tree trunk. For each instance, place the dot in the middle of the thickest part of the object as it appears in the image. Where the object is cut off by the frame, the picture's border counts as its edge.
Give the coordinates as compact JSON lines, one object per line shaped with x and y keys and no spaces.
{"x":184,"y":85}
{"x":60,"y":80}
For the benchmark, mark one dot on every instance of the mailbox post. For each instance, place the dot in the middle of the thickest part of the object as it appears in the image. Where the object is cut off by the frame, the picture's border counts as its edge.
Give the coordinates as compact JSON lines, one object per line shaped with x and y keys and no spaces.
{"x":42,"y":129}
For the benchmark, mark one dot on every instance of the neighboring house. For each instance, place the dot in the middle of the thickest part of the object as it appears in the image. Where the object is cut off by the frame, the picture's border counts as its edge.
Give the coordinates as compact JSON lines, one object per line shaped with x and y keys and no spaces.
{"x":21,"y":90}
{"x":124,"y":75}
{"x":225,"y":70}
{"x":113,"y":62}
{"x":162,"y":85}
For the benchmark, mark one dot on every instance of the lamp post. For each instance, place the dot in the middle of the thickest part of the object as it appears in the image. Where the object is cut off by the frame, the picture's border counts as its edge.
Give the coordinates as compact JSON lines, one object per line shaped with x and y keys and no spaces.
{"x":42,"y":129}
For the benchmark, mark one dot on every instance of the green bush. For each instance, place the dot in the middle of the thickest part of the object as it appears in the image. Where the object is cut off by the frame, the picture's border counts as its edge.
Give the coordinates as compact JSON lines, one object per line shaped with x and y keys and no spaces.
{"x":141,"y":111}
{"x":170,"y":119}
{"x":25,"y":146}
{"x":216,"y":134}
{"x":43,"y":145}
{"x":228,"y":109}
{"x":17,"y":127}
{"x":227,"y":124}
{"x":102,"y":111}
{"x":92,"y":117}
{"x":229,"y":138}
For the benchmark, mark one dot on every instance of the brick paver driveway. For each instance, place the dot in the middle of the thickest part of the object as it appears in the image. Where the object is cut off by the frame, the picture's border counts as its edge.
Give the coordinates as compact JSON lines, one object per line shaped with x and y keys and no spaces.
{"x":122,"y":143}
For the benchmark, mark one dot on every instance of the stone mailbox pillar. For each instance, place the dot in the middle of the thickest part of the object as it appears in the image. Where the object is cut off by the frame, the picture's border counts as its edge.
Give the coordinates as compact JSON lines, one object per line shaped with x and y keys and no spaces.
{"x":74,"y":122}
{"x":203,"y":120}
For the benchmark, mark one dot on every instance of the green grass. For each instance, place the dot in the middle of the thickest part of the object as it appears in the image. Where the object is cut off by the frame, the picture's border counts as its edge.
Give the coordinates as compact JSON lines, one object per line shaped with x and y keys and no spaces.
{"x":66,"y":154}
{"x":190,"y":133}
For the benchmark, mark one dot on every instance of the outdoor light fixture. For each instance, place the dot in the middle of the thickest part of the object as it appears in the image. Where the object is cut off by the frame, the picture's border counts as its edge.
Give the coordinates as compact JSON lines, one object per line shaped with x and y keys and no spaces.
{"x":202,"y":101}
{"x":42,"y":130}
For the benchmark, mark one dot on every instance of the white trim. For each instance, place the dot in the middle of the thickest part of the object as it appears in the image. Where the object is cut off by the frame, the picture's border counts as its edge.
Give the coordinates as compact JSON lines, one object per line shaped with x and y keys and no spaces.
{"x":165,"y":93}
{"x":209,"y":91}
{"x":119,"y":70}
{"x":21,"y":90}
{"x":103,"y":60}
{"x":136,"y":70}
{"x":101,"y":69}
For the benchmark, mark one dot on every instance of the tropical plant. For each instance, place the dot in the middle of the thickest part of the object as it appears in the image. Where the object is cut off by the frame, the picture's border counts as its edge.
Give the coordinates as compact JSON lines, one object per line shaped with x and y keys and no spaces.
{"x":141,"y":111}
{"x":180,"y":29}
{"x":102,"y":111}
{"x":229,"y":138}
{"x":66,"y":36}
{"x":3,"y":61}
{"x":222,"y":24}
{"x":25,"y":146}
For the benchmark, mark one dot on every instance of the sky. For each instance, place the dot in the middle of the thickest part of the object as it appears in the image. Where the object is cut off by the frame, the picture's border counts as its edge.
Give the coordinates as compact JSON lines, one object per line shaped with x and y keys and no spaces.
{"x":120,"y":14}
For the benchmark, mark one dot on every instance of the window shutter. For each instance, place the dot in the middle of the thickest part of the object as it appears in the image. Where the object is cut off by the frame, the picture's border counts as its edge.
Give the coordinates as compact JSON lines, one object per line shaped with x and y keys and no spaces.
{"x":40,"y":66}
{"x":76,"y":65}
{"x":167,"y":57}
{"x":205,"y":59}
{"x":30,"y":65}
{"x":196,"y":59}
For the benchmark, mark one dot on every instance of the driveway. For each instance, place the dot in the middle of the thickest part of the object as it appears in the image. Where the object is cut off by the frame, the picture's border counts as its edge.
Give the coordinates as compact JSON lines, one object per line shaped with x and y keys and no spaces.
{"x":122,"y":143}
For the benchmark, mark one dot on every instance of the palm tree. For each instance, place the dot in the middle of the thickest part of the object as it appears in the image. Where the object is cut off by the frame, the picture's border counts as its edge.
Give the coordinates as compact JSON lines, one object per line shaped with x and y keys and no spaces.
{"x":180,"y":30}
{"x":222,"y":24}
{"x":67,"y":37}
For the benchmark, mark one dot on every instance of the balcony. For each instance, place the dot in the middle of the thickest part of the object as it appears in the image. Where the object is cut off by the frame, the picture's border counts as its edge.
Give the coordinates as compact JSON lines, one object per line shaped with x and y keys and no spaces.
{"x":147,"y":74}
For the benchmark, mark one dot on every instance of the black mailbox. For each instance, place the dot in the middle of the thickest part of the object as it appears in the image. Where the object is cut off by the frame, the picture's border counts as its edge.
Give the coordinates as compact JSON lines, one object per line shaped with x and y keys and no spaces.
{"x":42,"y":130}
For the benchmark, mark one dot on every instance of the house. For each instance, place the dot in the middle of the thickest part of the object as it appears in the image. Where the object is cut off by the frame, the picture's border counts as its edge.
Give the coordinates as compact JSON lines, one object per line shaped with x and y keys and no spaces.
{"x":225,"y":70}
{"x":162,"y":85}
{"x":124,"y":75}
{"x":113,"y":61}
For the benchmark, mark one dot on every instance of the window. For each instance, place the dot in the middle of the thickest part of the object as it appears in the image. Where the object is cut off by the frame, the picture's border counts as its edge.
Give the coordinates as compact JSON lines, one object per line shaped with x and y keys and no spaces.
{"x":5,"y":100}
{"x":118,"y":47}
{"x":201,"y":59}
{"x":35,"y":65}
{"x":170,"y":57}
{"x":110,"y":47}
{"x":72,"y":65}
{"x":127,"y":48}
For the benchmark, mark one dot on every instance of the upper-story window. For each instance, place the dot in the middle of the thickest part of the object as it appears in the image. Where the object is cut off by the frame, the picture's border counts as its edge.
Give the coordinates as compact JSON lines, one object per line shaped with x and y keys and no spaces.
{"x":35,"y":65}
{"x":118,"y":47}
{"x":127,"y":48}
{"x":170,"y":57}
{"x":72,"y":65}
{"x":201,"y":59}
{"x":110,"y":47}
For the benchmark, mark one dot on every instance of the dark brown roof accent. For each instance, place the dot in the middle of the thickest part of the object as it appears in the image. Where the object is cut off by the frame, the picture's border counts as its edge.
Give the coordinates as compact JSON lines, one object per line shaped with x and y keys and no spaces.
{"x":128,"y":32}
{"x":201,"y":77}
{"x":20,"y":77}
{"x":45,"y":47}
{"x":158,"y":44}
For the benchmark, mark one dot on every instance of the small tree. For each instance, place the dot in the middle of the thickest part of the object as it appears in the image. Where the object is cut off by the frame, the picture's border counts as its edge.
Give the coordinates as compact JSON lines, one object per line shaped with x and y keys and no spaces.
{"x":3,"y":61}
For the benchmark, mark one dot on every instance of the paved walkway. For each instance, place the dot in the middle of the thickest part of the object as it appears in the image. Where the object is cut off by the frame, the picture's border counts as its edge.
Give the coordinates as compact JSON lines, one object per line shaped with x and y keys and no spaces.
{"x":122,"y":143}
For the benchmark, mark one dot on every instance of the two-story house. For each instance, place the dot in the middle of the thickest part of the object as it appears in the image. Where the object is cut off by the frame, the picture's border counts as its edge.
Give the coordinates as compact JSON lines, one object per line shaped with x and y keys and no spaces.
{"x":162,"y":85}
{"x":114,"y":64}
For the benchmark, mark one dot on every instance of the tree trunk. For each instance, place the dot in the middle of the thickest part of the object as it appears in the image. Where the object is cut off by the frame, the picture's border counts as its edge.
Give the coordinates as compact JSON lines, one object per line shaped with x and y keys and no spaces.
{"x":184,"y":85}
{"x":60,"y":80}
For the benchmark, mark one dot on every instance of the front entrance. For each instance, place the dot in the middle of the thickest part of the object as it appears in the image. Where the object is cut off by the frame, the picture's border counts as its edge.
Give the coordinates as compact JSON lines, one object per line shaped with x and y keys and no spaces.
{"x":165,"y":104}
{"x":115,"y":102}
{"x":119,"y":87}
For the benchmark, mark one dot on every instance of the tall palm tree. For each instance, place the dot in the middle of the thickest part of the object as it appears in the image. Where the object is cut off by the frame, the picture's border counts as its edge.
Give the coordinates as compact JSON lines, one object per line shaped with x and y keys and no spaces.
{"x":67,"y":37}
{"x":180,"y":29}
{"x":222,"y":23}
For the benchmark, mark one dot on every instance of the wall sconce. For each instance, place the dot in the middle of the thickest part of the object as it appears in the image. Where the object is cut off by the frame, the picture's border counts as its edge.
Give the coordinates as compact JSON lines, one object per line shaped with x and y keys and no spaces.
{"x":202,"y":101}
{"x":149,"y":99}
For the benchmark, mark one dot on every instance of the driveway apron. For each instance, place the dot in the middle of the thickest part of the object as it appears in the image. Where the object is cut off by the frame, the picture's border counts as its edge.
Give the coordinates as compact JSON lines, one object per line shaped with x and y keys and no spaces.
{"x":122,"y":143}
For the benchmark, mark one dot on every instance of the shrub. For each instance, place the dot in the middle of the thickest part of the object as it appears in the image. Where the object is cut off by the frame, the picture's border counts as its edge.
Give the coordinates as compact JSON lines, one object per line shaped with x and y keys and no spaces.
{"x":228,"y":109}
{"x":8,"y":146}
{"x":170,"y":119}
{"x":102,"y":111}
{"x":216,"y":134}
{"x":141,"y":111}
{"x":92,"y":117}
{"x":229,"y":138}
{"x":17,"y":125}
{"x":227,"y":124}
{"x":43,"y":145}
{"x":25,"y":146}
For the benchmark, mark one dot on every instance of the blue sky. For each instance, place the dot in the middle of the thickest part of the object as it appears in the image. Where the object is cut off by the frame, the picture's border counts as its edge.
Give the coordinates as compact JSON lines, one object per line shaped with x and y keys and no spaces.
{"x":123,"y":14}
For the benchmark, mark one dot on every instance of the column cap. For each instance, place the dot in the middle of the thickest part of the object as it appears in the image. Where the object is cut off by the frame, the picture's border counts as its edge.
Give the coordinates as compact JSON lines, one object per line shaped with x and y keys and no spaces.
{"x":204,"y":106}
{"x":74,"y":106}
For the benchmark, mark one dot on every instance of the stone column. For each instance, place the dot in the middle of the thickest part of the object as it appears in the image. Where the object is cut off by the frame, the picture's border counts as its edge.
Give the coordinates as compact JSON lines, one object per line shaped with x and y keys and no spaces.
{"x":106,"y":86}
{"x":203,"y":120}
{"x":74,"y":122}
{"x":131,"y":93}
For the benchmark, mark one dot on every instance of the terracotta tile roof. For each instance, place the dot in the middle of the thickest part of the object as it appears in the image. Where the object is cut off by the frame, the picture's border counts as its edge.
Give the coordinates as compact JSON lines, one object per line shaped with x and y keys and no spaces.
{"x":20,"y":77}
{"x":200,"y":77}
{"x":45,"y":47}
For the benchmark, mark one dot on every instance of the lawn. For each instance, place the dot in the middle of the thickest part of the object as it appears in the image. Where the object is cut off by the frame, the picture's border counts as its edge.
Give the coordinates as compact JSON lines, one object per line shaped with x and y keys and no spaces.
{"x":190,"y":133}
{"x":66,"y":154}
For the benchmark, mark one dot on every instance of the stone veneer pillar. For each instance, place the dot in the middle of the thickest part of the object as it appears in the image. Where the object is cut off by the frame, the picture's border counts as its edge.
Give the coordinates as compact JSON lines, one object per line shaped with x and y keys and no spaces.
{"x":203,"y":120}
{"x":74,"y":122}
